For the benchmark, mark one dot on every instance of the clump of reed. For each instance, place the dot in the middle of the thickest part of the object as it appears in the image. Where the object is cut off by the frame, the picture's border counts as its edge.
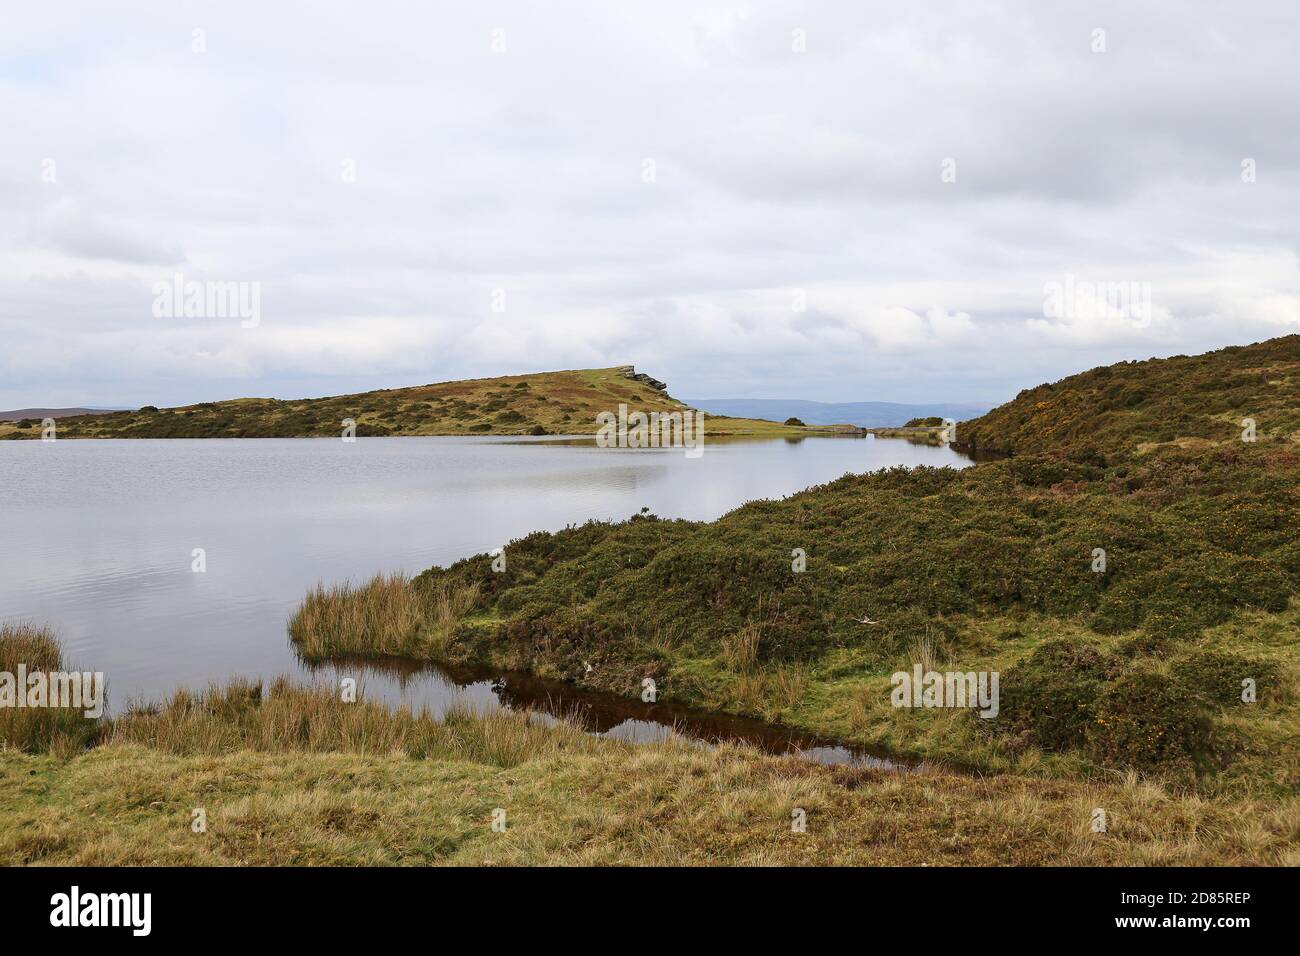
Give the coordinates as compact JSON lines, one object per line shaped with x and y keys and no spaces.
{"x":382,"y":617}
{"x":770,"y":694}
{"x":315,"y":719}
{"x":449,"y":604}
{"x":59,"y":730}
{"x":387,"y":616}
{"x":740,"y":648}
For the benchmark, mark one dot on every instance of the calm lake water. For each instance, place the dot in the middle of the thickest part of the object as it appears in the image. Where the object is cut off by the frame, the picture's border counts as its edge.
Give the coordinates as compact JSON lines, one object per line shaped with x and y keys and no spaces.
{"x":97,"y":538}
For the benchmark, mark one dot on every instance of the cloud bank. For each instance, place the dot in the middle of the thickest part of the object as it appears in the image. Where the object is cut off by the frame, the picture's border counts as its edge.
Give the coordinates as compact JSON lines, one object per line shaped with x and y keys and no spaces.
{"x":829,"y":201}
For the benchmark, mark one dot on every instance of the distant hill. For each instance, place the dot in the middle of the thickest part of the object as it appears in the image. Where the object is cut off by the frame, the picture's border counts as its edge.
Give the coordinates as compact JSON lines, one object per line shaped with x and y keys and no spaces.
{"x":862,"y":414}
{"x":545,"y":403}
{"x":1131,"y":407}
{"x":18,"y":414}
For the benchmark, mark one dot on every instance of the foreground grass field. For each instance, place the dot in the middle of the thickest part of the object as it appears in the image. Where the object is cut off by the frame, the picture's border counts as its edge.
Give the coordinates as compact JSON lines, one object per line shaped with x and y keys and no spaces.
{"x":126,"y":804}
{"x":297,"y":776}
{"x":547,"y":403}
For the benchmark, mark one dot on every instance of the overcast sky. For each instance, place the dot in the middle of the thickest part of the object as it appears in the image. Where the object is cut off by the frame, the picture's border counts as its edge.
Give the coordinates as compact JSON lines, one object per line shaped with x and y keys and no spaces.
{"x":835,"y":201}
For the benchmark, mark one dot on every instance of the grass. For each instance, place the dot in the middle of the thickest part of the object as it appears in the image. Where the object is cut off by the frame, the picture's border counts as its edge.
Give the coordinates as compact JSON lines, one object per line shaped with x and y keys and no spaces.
{"x":546,"y":403}
{"x":362,"y":787}
{"x":382,"y":617}
{"x":61,"y":730}
{"x":670,"y":805}
{"x":294,"y":775}
{"x":313,"y":719}
{"x":387,"y":616}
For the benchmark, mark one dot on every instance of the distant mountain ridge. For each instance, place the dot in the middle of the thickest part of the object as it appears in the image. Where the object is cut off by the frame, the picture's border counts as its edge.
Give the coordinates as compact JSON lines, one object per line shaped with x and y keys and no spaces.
{"x":18,"y":414}
{"x":862,"y":414}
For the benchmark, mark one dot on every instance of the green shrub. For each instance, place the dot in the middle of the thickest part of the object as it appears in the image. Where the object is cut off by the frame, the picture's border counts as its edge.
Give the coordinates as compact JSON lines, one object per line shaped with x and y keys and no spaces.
{"x":1216,"y":677}
{"x":1049,"y":700}
{"x":1146,"y":720}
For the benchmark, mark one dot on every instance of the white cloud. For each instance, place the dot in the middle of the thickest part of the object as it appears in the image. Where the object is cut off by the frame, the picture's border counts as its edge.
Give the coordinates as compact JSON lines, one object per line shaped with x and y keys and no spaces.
{"x":522,"y":171}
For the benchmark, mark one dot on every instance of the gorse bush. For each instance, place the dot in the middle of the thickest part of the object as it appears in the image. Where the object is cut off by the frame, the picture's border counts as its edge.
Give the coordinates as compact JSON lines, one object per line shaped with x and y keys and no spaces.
{"x":962,"y":543}
{"x":1146,"y":719}
{"x":1050,"y":699}
{"x":1218,"y":677}
{"x":1121,"y":407}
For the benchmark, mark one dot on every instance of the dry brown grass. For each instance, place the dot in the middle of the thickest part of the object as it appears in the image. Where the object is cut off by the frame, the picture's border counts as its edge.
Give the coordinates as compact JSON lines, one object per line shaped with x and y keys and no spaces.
{"x":740,"y":649}
{"x":61,"y":730}
{"x":613,"y":804}
{"x":315,"y":719}
{"x":770,"y":693}
{"x":382,"y":617}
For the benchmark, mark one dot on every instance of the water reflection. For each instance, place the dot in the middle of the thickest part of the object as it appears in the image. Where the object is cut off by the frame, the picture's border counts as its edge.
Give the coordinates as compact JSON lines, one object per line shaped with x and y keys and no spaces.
{"x":436,"y":688}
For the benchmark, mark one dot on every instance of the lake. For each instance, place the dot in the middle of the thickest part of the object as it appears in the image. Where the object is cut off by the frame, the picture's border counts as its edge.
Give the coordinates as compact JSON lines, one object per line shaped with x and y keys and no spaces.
{"x":98,"y":538}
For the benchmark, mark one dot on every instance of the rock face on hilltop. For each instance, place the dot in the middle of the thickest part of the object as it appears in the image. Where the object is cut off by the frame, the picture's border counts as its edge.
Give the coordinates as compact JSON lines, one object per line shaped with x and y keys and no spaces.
{"x":1129,"y":408}
{"x":630,"y":371}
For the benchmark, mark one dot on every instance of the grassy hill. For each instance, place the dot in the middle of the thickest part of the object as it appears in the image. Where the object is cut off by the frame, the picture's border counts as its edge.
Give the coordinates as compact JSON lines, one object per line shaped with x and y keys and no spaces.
{"x":563,"y":403}
{"x":1138,"y":665}
{"x":1129,"y":408}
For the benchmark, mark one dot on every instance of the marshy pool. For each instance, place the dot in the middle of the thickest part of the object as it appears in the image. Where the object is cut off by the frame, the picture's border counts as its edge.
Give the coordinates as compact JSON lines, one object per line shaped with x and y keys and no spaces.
{"x":99,"y":540}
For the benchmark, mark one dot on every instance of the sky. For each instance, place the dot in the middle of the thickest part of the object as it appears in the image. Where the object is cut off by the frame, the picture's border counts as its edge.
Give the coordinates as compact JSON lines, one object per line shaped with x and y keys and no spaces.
{"x":842,"y":201}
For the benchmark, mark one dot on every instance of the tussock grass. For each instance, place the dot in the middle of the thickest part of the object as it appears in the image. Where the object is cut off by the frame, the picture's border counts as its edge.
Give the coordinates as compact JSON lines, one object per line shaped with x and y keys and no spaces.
{"x":925,"y":651}
{"x":740,"y":649}
{"x":770,"y":693}
{"x":314,"y":719}
{"x":59,"y":730}
{"x":664,"y":804}
{"x":383,"y":616}
{"x":450,"y":604}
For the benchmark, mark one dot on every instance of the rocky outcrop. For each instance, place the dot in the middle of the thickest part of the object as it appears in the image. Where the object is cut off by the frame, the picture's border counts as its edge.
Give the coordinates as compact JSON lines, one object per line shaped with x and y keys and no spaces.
{"x":630,"y":371}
